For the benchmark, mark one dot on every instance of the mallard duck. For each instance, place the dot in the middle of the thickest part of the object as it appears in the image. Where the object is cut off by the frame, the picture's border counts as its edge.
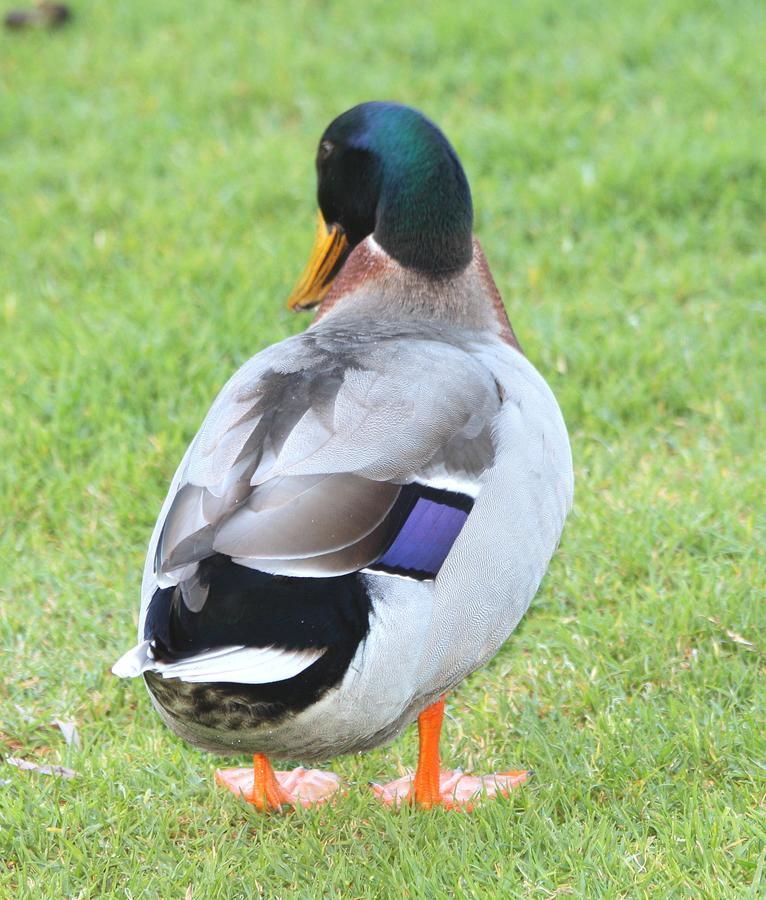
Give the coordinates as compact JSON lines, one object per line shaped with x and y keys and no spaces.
{"x":42,"y":15}
{"x":369,"y":506}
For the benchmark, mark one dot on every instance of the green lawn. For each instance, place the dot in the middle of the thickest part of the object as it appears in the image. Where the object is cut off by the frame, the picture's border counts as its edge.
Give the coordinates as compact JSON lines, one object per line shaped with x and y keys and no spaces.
{"x":156,"y":204}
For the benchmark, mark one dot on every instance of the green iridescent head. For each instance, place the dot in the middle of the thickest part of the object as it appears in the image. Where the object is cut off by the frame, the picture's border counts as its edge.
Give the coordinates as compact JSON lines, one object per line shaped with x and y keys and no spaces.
{"x":386,"y":170}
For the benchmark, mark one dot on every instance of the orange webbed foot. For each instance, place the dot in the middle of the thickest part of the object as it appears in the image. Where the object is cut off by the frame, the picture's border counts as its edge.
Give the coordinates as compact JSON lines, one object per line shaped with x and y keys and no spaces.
{"x":271,"y":791}
{"x":455,"y":791}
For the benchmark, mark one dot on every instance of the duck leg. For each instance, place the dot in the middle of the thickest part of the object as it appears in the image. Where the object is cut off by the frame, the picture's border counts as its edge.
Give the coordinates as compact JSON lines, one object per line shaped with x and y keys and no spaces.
{"x":271,"y":791}
{"x":433,"y":786}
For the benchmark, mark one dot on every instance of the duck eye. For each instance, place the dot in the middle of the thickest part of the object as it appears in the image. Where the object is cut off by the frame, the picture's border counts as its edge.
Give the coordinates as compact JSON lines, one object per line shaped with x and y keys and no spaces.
{"x":325,"y":149}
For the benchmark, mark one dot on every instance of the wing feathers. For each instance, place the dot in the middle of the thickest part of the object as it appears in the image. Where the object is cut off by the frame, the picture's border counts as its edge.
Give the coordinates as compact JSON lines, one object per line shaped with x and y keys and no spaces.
{"x":336,"y":511}
{"x":298,"y":464}
{"x":339,"y":562}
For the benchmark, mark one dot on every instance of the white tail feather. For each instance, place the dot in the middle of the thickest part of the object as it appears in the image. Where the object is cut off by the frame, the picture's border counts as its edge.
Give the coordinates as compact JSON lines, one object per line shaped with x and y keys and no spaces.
{"x":237,"y":664}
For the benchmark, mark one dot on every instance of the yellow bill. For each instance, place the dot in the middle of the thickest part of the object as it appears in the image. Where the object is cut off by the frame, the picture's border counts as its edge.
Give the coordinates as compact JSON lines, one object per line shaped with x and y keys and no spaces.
{"x":330,"y":246}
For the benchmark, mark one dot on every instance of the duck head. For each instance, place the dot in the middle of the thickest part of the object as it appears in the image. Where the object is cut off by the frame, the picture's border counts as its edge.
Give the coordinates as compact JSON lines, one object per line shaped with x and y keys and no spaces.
{"x":386,"y":170}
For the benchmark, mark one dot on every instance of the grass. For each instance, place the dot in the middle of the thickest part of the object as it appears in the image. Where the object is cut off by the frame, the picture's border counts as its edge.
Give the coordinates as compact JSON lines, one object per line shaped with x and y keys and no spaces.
{"x":156,"y":203}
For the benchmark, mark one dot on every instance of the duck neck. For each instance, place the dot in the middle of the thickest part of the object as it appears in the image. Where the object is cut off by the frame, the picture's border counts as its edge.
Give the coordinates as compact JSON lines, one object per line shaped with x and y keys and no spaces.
{"x":376,"y":291}
{"x":424,"y":217}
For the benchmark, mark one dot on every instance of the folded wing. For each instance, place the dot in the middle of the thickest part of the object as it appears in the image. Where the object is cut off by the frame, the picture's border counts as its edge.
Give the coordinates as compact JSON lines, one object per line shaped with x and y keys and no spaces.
{"x":299,"y":465}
